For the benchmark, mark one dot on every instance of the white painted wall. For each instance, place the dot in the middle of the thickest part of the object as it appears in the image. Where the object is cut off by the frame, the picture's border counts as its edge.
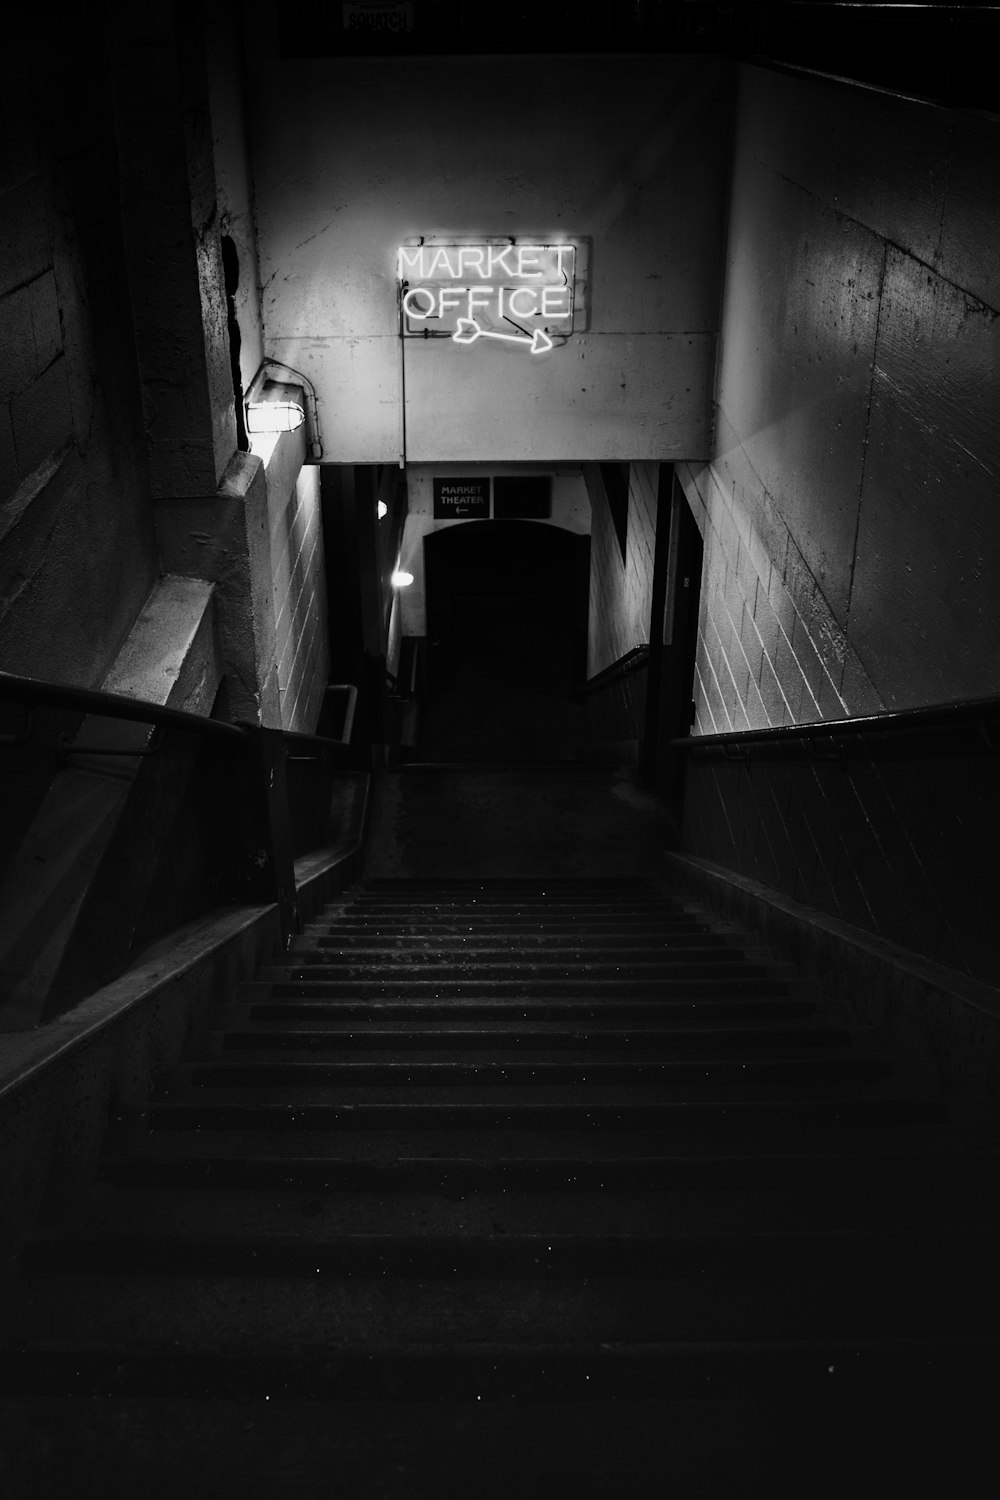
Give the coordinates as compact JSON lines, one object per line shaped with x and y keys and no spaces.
{"x":352,"y":157}
{"x":570,"y":510}
{"x":298,"y":577}
{"x":621,"y":588}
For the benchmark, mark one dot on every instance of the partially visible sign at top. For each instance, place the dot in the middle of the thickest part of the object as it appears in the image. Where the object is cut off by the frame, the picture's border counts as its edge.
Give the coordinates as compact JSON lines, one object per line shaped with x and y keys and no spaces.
{"x":461,"y":499}
{"x":369,"y":17}
{"x":520,"y":294}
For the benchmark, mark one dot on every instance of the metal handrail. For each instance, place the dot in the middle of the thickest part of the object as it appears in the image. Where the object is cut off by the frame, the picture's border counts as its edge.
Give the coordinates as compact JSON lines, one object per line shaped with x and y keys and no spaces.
{"x":351,"y":690}
{"x":28,"y":691}
{"x":31,"y":690}
{"x":975,"y":712}
{"x":631,"y":662}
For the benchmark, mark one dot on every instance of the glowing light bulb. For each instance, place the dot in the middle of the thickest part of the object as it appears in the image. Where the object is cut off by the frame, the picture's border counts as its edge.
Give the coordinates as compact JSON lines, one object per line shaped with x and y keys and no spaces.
{"x":401,"y":579}
{"x":274,"y":416}
{"x":382,"y":510}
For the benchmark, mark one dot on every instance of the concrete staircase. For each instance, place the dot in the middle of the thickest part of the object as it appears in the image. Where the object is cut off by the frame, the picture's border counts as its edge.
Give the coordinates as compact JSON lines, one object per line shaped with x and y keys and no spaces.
{"x":516,"y":1186}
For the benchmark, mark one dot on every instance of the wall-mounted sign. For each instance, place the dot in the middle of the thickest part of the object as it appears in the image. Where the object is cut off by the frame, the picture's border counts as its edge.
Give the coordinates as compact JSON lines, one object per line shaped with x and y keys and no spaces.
{"x":378,"y":17}
{"x":461,"y":499}
{"x":522,"y":497}
{"x":521,"y":295}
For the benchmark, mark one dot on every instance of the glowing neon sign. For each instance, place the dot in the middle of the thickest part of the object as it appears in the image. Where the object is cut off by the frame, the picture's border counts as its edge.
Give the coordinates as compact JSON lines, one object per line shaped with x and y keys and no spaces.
{"x":517,"y":294}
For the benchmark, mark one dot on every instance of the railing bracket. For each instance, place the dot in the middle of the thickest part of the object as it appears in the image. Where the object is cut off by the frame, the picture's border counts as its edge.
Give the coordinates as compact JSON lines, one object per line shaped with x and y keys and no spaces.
{"x":986,"y":730}
{"x":26,"y":730}
{"x":837,"y":753}
{"x":65,"y":749}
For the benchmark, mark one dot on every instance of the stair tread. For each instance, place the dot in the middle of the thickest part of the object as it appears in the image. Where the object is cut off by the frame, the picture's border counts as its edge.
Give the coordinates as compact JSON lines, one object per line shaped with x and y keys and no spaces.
{"x":329,"y":996}
{"x":687,"y":981}
{"x":740,"y":1255}
{"x":947,"y":1162}
{"x":545,"y":1105}
{"x":321,"y":1310}
{"x":541,"y":1066}
{"x":658,"y":930}
{"x":375,"y":1046}
{"x":240,"y":1031}
{"x":326,"y":1214}
{"x":388,"y":1139}
{"x":719,"y":963}
{"x":630,"y":1410}
{"x":471,"y":948}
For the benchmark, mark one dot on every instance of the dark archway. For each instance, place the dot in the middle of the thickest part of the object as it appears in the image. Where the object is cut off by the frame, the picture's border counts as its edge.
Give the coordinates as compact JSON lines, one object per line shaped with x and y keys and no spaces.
{"x":507,"y":641}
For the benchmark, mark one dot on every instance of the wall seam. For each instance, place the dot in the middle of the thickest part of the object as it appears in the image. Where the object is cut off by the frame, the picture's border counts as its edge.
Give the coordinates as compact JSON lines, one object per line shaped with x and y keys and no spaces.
{"x":889,"y":242}
{"x":864,"y":445}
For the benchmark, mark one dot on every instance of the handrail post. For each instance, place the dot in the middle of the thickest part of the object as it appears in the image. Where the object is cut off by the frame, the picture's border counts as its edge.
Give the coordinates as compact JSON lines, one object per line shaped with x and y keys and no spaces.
{"x":272,"y":764}
{"x":268,"y":822}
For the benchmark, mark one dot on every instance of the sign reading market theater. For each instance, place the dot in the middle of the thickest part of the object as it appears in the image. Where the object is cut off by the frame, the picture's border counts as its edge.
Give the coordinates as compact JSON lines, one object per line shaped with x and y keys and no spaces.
{"x":497,"y":291}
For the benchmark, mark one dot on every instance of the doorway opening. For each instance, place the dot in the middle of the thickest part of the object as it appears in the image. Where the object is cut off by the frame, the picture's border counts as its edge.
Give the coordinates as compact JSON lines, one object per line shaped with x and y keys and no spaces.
{"x":506,"y":642}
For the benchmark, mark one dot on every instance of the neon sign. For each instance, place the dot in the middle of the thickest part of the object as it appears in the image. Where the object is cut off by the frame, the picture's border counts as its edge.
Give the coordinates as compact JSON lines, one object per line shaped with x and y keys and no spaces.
{"x":516,"y":294}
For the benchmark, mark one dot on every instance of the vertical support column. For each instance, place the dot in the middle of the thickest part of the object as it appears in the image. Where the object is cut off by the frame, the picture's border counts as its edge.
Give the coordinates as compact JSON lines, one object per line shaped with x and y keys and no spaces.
{"x":679,"y":640}
{"x":172,"y":245}
{"x":258,"y":790}
{"x":648,"y":751}
{"x":357,"y":623}
{"x":275,"y":783}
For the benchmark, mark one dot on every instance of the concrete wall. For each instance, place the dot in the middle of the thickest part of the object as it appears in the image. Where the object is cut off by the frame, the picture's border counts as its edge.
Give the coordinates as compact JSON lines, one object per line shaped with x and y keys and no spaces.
{"x":352,"y":157}
{"x":170,"y":217}
{"x":621,"y":588}
{"x":233,"y":173}
{"x":74,"y":490}
{"x":117,"y":431}
{"x":570,"y":510}
{"x":849,"y":511}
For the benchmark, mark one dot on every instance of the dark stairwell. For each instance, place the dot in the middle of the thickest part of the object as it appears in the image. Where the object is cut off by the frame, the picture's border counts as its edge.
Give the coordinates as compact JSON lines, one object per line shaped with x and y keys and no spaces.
{"x":516,"y":1177}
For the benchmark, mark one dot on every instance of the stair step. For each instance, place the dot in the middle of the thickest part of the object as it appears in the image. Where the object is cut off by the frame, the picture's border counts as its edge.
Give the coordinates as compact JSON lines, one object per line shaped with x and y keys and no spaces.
{"x":333,"y":950}
{"x":382,"y":1141}
{"x":539,"y":939}
{"x":829,"y":1177}
{"x":532,"y":1038}
{"x":592,"y":1446}
{"x":315,"y":1001}
{"x":740,"y":1256}
{"x":506,"y":882}
{"x":788,"y":1074}
{"x":510,"y":1207}
{"x":691,"y":984}
{"x":682,"y":1118}
{"x":720,"y":963}
{"x":622,"y":929}
{"x":224,"y":1297}
{"x":542,"y":907}
{"x":565,"y":1374}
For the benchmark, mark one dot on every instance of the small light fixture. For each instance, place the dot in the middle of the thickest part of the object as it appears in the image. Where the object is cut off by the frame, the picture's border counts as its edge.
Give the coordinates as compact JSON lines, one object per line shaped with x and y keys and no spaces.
{"x":274,"y":416}
{"x":401,"y":579}
{"x":381,"y":510}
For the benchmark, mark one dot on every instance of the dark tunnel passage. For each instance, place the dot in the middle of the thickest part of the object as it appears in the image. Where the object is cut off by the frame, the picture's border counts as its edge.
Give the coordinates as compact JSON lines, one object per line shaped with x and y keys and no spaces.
{"x":507,"y":641}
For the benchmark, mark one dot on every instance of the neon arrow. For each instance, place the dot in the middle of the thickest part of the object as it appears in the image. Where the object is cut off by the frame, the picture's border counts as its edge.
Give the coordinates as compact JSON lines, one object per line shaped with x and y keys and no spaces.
{"x":467,"y":330}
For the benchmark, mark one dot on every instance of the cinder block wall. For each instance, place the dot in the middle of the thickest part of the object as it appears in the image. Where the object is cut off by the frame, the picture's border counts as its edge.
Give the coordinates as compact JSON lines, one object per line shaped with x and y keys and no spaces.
{"x":621,"y":589}
{"x":770,"y":651}
{"x":849,"y":508}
